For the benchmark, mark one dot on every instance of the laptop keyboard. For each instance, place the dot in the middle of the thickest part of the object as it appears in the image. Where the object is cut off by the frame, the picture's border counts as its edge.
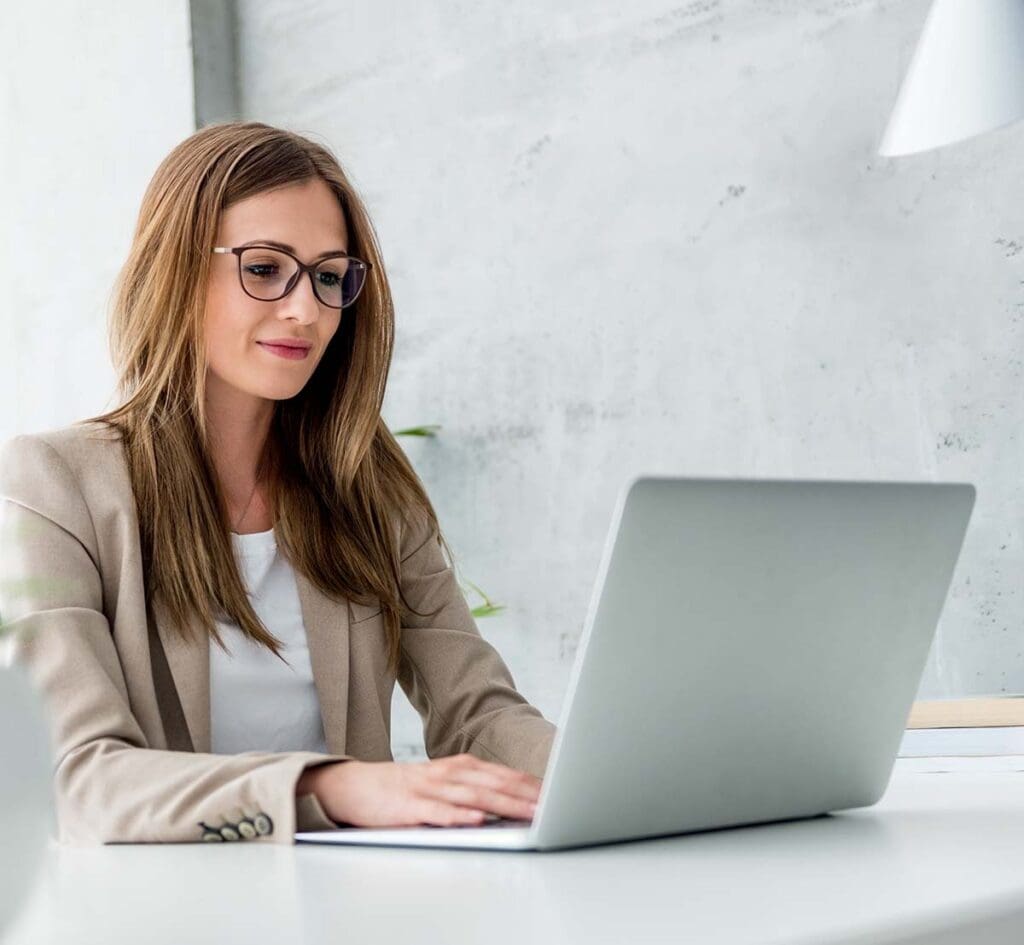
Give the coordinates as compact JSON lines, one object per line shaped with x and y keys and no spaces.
{"x":494,"y":824}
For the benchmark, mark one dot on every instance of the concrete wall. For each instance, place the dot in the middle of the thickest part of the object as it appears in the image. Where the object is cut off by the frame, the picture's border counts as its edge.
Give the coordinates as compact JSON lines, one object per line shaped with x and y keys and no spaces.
{"x":91,"y":102}
{"x":657,"y":236}
{"x":621,"y":237}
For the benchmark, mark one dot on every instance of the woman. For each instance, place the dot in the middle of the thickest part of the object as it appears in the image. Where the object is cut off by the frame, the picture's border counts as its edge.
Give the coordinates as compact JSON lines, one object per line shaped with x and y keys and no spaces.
{"x":246,"y":493}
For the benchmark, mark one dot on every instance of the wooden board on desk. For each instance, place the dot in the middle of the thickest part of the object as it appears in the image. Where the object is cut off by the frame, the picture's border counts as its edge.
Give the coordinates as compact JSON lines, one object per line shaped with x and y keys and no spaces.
{"x":974,"y":711}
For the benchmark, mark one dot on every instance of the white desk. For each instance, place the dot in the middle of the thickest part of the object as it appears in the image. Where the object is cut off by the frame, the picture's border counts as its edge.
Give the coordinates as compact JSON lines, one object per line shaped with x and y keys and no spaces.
{"x":938,"y":845}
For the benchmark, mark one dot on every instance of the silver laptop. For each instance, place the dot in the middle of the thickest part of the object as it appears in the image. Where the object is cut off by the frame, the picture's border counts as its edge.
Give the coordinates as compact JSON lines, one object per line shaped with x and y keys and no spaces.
{"x":751,"y":653}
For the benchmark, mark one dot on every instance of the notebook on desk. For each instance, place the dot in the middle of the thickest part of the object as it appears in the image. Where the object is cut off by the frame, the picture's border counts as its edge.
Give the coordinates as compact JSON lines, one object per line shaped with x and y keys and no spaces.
{"x":750,"y":654}
{"x":1004,"y":709}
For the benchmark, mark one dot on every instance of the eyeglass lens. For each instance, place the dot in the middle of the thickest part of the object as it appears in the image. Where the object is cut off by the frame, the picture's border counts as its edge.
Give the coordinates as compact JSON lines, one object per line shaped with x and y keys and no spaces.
{"x":267,"y":274}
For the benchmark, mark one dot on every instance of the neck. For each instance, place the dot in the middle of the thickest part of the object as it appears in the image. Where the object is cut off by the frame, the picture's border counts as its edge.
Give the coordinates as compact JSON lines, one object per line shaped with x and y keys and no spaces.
{"x":238,"y":426}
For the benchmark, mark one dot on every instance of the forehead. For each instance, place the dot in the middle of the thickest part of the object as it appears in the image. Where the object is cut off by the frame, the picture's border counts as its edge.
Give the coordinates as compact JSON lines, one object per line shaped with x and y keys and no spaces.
{"x":306,"y":216}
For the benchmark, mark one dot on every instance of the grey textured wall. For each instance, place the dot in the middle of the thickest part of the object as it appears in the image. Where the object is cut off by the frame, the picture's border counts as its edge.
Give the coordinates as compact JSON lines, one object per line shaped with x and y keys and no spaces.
{"x":91,"y":101}
{"x":656,"y":236}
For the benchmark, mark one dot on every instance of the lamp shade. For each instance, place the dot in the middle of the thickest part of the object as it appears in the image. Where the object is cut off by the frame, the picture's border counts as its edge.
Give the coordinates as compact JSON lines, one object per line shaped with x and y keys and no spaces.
{"x":966,"y":76}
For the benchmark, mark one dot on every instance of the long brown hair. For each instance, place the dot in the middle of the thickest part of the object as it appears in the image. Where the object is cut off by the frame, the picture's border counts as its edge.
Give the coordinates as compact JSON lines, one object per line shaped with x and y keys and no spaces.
{"x":337,"y":481}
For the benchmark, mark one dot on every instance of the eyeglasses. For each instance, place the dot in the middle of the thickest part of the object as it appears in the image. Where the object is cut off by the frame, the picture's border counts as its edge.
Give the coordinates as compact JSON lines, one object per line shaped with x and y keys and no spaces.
{"x":268,"y":273}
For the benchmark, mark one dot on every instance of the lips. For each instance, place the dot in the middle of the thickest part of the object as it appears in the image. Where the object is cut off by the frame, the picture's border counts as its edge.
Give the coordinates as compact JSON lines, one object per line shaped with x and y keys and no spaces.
{"x":288,"y":352}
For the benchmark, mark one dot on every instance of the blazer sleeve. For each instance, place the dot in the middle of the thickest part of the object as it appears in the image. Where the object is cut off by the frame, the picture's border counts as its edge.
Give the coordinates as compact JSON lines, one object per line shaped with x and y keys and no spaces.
{"x":455,"y":679}
{"x":110,"y":786}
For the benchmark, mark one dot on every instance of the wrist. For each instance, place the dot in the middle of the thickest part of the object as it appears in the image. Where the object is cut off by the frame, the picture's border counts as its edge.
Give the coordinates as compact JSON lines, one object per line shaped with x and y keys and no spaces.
{"x":311,"y":779}
{"x":326,"y":782}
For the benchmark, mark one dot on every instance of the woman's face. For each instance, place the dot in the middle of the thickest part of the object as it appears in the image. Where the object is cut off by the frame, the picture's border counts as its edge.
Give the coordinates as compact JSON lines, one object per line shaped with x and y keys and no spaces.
{"x":305,"y":216}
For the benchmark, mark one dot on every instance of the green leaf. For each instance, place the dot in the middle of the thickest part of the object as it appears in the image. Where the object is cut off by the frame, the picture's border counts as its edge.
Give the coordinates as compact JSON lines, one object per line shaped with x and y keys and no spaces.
{"x":488,"y":607}
{"x":426,"y":429}
{"x":486,"y":610}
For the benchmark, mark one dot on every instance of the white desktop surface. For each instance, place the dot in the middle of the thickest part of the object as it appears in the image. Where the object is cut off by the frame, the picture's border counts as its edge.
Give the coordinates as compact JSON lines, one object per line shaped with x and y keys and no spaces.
{"x":938,"y":845}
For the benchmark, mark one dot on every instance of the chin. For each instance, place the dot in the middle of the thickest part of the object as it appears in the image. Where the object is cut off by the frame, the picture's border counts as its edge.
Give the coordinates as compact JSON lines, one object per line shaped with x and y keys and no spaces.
{"x":279,"y":393}
{"x":265,"y":391}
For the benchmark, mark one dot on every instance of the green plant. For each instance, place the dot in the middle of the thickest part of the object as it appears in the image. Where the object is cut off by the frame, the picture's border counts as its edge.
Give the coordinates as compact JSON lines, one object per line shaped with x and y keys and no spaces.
{"x":488,"y":607}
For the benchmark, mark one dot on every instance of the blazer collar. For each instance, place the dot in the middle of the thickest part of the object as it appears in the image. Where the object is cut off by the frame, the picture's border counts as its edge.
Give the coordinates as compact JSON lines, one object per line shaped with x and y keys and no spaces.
{"x":327,"y":636}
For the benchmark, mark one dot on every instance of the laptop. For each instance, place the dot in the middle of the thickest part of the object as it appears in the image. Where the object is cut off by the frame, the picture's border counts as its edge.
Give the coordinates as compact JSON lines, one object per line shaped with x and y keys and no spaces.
{"x":750,"y":654}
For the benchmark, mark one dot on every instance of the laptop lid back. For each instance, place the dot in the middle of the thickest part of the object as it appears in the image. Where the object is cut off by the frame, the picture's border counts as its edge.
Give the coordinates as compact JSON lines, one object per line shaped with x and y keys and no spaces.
{"x":753,"y":648}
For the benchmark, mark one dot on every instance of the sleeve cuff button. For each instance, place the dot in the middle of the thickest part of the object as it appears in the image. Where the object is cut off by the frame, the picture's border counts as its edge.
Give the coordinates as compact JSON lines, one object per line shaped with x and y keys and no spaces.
{"x":210,"y":835}
{"x":247,"y":829}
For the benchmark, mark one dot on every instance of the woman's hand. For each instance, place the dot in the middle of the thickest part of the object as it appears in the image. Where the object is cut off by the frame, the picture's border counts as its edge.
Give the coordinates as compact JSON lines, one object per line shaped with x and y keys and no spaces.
{"x":459,"y":789}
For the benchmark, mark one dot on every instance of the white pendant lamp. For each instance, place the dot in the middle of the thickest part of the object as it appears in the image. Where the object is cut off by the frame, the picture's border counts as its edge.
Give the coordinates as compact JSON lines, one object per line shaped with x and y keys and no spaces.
{"x":966,"y":76}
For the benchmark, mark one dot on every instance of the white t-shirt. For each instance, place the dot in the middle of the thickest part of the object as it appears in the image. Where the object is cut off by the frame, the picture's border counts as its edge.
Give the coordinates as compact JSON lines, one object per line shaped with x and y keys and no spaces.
{"x":257,"y":703}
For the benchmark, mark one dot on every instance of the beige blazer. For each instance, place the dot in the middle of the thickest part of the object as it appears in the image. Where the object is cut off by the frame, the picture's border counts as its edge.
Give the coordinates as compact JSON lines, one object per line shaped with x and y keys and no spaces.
{"x":129,"y":700}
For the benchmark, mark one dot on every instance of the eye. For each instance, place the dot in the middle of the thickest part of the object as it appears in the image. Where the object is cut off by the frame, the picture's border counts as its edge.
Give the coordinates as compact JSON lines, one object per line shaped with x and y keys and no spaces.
{"x":261,"y":270}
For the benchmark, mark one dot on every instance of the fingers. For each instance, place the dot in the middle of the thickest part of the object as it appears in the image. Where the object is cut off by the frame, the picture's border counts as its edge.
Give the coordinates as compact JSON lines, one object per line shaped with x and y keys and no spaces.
{"x":488,"y":799}
{"x":447,"y":815}
{"x":460,"y":790}
{"x":474,"y":784}
{"x":516,"y":783}
{"x":469,"y":767}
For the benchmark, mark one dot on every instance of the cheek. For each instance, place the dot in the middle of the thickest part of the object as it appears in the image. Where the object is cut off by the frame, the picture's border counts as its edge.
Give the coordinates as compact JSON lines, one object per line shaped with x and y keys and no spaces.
{"x":229,"y":328}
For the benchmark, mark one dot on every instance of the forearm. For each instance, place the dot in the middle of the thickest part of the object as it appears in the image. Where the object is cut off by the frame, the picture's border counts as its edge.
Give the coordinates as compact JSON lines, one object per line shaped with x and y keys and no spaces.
{"x":109,"y":792}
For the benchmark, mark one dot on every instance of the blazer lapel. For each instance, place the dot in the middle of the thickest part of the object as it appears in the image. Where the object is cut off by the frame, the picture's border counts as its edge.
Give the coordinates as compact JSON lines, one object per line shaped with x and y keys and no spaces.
{"x":187,"y":719}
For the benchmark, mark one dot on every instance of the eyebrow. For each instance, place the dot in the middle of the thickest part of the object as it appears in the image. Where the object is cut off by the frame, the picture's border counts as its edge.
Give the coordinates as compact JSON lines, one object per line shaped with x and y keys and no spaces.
{"x":291,"y":249}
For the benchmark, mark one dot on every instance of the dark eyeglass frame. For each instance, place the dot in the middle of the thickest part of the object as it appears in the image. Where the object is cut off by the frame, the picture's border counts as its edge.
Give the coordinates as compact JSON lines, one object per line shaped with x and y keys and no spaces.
{"x":302,"y":267}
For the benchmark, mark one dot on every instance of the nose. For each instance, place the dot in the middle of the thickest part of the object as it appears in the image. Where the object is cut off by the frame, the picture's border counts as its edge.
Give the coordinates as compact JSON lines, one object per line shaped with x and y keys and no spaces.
{"x":301,"y":304}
